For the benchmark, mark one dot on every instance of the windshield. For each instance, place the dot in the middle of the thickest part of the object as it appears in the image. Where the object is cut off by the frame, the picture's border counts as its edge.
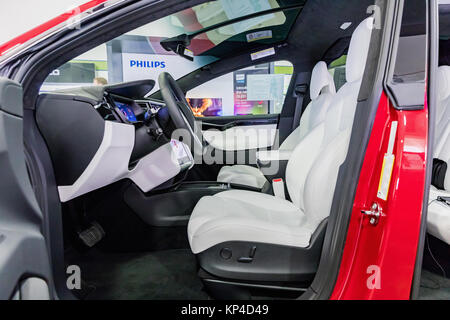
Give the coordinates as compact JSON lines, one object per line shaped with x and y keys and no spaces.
{"x":138,"y":54}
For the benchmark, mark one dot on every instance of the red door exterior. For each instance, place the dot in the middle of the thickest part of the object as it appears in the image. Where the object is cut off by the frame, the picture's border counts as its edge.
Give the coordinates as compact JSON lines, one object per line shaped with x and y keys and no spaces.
{"x":378,"y":260}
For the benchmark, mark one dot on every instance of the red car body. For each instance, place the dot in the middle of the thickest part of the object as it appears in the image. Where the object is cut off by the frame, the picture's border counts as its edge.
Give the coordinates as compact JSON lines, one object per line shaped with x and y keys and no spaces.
{"x":391,"y":245}
{"x":48,"y":25}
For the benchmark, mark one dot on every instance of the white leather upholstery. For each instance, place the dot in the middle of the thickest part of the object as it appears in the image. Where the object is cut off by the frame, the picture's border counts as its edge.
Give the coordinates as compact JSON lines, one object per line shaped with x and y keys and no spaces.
{"x":321,"y":81}
{"x":242,"y":174}
{"x":438,"y":212}
{"x":442,"y":129}
{"x":246,"y":216}
{"x":355,"y":69}
{"x":322,"y":90}
{"x":311,"y":179}
{"x":317,"y":108}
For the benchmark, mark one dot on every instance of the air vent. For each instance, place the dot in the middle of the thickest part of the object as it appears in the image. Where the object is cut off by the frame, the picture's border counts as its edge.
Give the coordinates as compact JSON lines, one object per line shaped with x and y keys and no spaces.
{"x":144,"y":105}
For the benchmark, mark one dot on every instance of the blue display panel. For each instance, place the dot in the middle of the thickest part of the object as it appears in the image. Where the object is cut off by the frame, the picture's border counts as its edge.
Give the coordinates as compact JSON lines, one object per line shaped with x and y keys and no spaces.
{"x":127,"y":110}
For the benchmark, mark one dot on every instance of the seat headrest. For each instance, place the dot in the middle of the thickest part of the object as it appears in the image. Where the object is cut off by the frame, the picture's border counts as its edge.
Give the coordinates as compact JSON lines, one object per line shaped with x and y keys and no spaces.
{"x":443,"y":82}
{"x":321,"y":79}
{"x":358,"y":50}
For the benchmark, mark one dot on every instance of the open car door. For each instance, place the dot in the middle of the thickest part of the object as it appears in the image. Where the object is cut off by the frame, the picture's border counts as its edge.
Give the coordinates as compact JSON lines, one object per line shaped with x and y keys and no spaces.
{"x":25,"y":269}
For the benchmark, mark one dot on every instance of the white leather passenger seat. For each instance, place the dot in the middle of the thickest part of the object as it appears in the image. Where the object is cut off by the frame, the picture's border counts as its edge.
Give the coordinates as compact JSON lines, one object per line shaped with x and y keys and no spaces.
{"x":322,"y":90}
{"x":311,"y":176}
{"x":438,"y":211}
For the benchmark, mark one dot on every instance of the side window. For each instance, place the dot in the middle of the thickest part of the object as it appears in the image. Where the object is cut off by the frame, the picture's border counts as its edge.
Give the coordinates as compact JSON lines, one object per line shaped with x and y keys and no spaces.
{"x":256,"y":90}
{"x":337,"y":70}
{"x":87,"y":69}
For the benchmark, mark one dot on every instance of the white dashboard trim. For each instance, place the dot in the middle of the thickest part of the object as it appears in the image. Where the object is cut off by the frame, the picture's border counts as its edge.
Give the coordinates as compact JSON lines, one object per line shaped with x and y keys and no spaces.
{"x":110,"y":163}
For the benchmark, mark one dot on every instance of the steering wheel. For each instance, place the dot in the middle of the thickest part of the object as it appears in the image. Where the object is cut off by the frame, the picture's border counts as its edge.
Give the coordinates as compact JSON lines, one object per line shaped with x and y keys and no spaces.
{"x":180,"y":112}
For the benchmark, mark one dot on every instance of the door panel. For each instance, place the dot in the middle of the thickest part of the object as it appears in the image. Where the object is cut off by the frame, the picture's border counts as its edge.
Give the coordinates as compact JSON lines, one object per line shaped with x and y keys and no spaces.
{"x":225,"y":122}
{"x":239,"y":133}
{"x":239,"y":138}
{"x":23,"y":249}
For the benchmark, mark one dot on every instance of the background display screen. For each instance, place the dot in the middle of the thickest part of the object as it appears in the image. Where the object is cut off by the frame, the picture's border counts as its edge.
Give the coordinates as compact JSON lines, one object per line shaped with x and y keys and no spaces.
{"x":127,"y":110}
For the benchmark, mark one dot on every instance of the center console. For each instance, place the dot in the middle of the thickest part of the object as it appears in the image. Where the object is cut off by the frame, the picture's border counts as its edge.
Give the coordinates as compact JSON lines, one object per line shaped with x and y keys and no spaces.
{"x":173,"y":206}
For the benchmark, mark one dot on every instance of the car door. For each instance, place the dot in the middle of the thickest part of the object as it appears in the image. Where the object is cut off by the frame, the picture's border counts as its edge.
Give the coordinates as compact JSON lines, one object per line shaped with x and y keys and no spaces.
{"x":25,"y":268}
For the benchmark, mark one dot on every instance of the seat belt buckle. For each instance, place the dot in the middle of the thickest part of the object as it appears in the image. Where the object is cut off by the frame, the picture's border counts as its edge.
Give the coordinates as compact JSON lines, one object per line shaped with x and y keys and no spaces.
{"x":278,"y":188}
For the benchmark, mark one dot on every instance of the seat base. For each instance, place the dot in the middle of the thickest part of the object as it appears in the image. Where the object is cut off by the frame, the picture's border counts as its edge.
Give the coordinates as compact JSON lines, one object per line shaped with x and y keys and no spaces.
{"x":222,"y":289}
{"x":263,"y":262}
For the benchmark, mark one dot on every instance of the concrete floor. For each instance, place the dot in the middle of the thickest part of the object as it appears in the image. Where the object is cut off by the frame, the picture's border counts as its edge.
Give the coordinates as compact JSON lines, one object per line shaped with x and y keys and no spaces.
{"x":434,"y":287}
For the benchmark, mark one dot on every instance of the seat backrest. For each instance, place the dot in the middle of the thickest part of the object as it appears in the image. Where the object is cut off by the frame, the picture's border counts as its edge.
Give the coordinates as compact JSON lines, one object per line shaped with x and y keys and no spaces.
{"x":443,"y":104}
{"x":442,"y":124}
{"x":312,"y":171}
{"x":321,"y":91}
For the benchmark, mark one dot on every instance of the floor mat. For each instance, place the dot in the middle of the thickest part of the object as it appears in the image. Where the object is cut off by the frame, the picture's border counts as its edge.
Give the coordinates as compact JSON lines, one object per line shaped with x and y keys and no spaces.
{"x":170,"y":274}
{"x":434,"y":287}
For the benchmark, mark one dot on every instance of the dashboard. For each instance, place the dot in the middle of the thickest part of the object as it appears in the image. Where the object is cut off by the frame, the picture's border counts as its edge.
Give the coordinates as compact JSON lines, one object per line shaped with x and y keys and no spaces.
{"x":110,"y":133}
{"x":126,"y":110}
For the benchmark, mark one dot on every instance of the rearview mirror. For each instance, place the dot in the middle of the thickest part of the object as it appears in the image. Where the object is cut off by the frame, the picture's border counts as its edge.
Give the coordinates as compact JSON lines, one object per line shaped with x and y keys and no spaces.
{"x":185,"y":52}
{"x":179,"y":45}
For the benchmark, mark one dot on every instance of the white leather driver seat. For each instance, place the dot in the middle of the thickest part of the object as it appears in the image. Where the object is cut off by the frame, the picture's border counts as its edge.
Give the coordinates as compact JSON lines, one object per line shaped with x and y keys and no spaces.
{"x":321,"y":90}
{"x":311,"y":175}
{"x":439,"y":212}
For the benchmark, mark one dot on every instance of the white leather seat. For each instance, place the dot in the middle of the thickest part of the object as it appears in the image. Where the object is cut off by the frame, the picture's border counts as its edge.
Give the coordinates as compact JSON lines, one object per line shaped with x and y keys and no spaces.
{"x":311,"y":176}
{"x":322,"y":90}
{"x":439,"y":212}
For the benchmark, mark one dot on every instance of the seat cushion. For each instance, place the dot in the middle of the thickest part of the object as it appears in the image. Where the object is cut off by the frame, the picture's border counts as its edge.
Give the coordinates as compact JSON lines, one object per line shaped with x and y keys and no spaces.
{"x":238,"y":215}
{"x":439,"y":215}
{"x":242,"y":174}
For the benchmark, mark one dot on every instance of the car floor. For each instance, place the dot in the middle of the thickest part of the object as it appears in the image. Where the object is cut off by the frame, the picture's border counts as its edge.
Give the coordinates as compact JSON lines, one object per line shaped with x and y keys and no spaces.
{"x":168,"y":274}
{"x":434,"y":286}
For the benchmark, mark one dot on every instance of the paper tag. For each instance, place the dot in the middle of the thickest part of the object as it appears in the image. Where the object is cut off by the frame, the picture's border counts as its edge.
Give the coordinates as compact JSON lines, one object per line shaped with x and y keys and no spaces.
{"x":388,"y":164}
{"x":262,"y":53}
{"x":385,"y":178}
{"x":188,"y":53}
{"x":278,"y":188}
{"x":259,"y":35}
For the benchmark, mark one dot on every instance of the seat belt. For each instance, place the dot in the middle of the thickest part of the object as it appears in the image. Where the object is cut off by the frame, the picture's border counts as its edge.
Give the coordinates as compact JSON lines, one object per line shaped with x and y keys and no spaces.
{"x":300,"y":90}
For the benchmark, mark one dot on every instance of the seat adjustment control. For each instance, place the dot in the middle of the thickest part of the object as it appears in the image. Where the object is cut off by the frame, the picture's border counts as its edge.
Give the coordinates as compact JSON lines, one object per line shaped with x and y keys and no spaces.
{"x":250,"y":257}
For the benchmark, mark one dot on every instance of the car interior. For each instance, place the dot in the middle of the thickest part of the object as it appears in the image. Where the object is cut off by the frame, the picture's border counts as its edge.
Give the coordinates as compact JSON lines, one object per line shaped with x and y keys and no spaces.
{"x":162,"y":198}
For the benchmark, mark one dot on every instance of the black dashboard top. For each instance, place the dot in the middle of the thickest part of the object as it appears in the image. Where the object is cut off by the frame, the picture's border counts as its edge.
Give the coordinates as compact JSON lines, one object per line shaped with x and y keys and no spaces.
{"x":135,"y":90}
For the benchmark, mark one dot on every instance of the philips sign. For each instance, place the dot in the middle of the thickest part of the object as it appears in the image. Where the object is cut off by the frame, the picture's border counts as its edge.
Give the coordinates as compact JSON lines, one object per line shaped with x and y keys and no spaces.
{"x":147,"y":64}
{"x":139,"y":66}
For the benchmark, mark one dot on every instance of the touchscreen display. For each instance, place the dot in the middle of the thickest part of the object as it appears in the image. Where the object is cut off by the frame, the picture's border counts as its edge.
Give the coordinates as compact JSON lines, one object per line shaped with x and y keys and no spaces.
{"x":127,"y":110}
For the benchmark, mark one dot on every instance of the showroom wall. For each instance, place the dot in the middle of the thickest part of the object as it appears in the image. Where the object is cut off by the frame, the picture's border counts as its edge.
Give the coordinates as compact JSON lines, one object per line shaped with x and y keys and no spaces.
{"x":19,"y":16}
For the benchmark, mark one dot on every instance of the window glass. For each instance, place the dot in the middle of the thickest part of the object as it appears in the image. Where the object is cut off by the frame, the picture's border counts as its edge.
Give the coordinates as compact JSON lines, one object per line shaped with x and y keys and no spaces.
{"x":337,"y":70}
{"x":256,"y":90}
{"x":138,"y":54}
